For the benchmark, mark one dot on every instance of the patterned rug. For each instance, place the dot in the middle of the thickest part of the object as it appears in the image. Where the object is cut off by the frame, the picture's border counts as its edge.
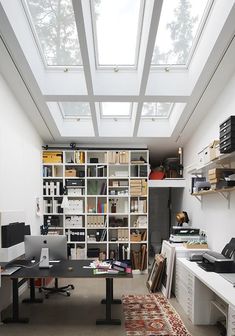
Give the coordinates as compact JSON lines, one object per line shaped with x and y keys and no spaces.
{"x":151,"y":315}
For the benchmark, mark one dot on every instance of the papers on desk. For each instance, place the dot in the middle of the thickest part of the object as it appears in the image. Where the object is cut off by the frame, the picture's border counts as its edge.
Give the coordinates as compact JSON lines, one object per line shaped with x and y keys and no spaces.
{"x":98,"y":271}
{"x":105,"y":267}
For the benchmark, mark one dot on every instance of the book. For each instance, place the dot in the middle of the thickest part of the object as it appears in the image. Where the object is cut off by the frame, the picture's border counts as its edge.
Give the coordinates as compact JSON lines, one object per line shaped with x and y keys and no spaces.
{"x":119,"y":264}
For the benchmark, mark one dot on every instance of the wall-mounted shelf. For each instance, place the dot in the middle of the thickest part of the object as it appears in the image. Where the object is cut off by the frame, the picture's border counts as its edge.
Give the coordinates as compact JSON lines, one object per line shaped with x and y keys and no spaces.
{"x":167,"y":183}
{"x":223,"y":160}
{"x":225,"y":193}
{"x":206,"y":192}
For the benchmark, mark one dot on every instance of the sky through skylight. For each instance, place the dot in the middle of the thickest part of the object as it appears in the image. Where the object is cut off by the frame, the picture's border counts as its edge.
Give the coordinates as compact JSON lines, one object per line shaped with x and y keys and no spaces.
{"x":116,"y":26}
{"x":177,"y":31}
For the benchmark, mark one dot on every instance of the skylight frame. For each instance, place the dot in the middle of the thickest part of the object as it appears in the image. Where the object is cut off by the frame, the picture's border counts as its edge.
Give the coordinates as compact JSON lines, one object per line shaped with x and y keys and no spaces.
{"x":117,"y":67}
{"x":73,"y":117}
{"x":47,"y":67}
{"x":116,"y":117}
{"x":158,"y":117}
{"x":167,"y":67}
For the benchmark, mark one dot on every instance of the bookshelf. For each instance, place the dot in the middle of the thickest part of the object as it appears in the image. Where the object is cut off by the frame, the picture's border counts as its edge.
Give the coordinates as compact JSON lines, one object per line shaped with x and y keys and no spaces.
{"x":106,"y":210}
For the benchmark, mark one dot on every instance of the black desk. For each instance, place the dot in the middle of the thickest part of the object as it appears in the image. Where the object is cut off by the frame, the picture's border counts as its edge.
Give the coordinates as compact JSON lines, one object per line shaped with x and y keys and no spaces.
{"x":60,"y":270}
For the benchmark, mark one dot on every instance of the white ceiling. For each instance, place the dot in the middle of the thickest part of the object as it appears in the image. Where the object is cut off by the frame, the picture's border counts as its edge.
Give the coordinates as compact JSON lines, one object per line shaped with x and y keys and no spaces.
{"x":192,"y":89}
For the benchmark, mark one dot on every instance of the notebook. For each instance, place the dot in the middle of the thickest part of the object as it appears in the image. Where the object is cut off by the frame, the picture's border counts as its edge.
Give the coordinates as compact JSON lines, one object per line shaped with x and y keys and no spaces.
{"x":10,"y":270}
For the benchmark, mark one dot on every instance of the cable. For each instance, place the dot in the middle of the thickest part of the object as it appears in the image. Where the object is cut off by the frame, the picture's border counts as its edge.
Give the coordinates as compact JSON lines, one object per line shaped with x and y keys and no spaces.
{"x":24,"y":266}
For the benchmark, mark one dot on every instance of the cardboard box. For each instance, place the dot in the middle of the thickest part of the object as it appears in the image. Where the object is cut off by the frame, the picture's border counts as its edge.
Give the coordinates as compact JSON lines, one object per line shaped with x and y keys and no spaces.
{"x":52,"y":157}
{"x":196,"y":246}
{"x":135,"y":237}
{"x":70,"y":173}
{"x":214,"y":151}
{"x":213,"y":180}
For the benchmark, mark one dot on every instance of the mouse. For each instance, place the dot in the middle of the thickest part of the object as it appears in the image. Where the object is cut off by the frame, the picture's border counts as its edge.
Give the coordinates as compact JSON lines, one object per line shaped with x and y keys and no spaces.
{"x":70,"y":268}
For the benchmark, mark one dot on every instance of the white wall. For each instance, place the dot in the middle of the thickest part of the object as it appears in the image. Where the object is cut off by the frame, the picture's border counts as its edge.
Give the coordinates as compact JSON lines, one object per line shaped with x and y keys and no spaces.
{"x":20,"y":159}
{"x":213,"y":214}
{"x":20,"y":167}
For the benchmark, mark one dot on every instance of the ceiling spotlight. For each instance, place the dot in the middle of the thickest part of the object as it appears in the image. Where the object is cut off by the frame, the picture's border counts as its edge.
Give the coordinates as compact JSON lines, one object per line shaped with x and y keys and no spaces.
{"x":115,"y":119}
{"x":116,"y":69}
{"x":66,"y":70}
{"x":73,"y":145}
{"x":167,"y":69}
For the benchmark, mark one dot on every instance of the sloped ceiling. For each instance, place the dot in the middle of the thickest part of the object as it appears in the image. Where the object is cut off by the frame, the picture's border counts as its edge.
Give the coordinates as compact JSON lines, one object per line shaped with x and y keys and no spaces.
{"x":192,"y":89}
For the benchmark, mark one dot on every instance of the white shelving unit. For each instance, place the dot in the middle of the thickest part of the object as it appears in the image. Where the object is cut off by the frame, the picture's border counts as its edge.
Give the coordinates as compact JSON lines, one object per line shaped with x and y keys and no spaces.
{"x":107,"y":193}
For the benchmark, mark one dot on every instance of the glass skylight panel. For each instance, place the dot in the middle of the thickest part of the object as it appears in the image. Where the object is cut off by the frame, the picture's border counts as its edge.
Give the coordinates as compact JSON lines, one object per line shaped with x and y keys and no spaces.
{"x":117,"y":29}
{"x":56,"y":33}
{"x":179,"y":28}
{"x":75,"y":109}
{"x":116,"y":110}
{"x":156,"y":110}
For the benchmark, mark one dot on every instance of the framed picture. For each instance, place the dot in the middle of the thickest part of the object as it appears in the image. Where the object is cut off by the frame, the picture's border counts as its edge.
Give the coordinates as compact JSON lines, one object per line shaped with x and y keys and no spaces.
{"x":168,"y":251}
{"x":155,"y":275}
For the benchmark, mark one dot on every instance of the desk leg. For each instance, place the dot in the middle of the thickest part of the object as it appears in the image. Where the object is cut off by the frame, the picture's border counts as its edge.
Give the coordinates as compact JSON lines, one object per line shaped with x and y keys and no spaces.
{"x":15,"y":305}
{"x":108,"y":301}
{"x":32,"y":298}
{"x":113,"y":301}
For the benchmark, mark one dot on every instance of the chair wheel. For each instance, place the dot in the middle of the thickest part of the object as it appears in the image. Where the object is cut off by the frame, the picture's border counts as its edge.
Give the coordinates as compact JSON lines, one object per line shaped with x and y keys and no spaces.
{"x":68,"y":294}
{"x":72,"y":286}
{"x":47,"y":296}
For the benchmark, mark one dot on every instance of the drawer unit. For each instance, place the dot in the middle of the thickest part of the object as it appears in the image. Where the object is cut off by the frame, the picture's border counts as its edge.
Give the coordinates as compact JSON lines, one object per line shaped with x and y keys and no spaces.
{"x":228,"y":122}
{"x":227,"y":135}
{"x":184,"y":289}
{"x":231,"y":321}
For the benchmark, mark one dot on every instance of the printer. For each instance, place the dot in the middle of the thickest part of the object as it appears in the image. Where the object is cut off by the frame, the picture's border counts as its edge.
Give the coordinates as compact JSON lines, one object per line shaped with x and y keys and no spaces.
{"x":219,"y":262}
{"x":216,"y":262}
{"x":180,"y":234}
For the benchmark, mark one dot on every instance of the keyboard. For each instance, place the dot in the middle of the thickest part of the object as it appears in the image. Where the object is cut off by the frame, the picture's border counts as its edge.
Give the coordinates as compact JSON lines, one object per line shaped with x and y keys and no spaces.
{"x":10,"y":270}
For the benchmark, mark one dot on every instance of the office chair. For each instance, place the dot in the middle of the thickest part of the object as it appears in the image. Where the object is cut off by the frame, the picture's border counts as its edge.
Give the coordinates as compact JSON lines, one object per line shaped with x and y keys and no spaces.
{"x":56,"y":289}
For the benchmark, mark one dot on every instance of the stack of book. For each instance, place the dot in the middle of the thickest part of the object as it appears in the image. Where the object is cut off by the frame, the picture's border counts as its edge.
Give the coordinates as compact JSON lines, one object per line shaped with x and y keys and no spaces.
{"x":135,"y":187}
{"x":119,"y":266}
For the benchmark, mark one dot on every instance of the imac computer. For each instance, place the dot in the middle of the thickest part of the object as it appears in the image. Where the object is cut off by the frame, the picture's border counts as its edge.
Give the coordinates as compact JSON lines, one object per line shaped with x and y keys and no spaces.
{"x":45,"y":248}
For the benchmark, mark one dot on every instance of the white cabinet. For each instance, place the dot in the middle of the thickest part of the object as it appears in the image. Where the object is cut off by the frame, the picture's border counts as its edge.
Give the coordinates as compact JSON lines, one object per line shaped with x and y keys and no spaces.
{"x":99,"y":199}
{"x":206,"y":297}
{"x":184,"y":289}
{"x":231,"y":321}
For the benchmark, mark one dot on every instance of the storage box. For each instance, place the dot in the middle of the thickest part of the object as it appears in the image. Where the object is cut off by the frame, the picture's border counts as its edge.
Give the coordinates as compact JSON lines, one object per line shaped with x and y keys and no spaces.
{"x":52,"y":157}
{"x":74,"y":183}
{"x":214,"y":151}
{"x":217,"y":173}
{"x":70,"y":173}
{"x":135,"y":237}
{"x":206,"y":155}
{"x":195,"y":246}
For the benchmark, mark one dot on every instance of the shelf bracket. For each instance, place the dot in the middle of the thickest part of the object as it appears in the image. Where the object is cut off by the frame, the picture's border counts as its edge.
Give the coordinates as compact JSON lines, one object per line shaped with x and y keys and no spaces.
{"x":226,"y":196}
{"x":199,"y":198}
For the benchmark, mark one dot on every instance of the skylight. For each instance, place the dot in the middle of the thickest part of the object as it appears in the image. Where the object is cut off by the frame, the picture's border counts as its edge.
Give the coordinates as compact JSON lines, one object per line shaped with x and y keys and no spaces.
{"x":178,"y":32}
{"x":117,"y":25}
{"x":115,"y":110}
{"x":156,"y":110}
{"x":54,"y":27}
{"x":75,"y":110}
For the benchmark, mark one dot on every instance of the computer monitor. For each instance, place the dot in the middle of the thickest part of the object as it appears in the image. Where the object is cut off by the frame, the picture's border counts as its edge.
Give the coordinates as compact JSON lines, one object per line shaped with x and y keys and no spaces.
{"x":56,"y":244}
